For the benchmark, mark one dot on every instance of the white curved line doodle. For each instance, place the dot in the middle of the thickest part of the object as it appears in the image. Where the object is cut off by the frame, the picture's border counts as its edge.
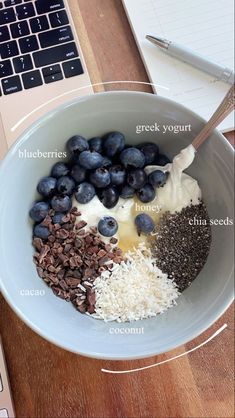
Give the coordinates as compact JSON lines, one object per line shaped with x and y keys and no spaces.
{"x":81,"y":88}
{"x":170,"y":359}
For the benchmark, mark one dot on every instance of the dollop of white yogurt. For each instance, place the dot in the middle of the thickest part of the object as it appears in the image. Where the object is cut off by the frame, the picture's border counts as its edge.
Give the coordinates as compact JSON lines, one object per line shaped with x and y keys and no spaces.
{"x":180,"y":190}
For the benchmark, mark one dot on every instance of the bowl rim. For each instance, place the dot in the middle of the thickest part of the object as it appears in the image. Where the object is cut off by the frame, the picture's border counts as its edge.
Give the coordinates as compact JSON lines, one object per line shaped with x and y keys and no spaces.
{"x":199,"y":329}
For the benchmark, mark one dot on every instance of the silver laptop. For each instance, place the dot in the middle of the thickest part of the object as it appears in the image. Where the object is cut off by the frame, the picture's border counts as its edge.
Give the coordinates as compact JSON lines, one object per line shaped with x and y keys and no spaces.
{"x":41,"y":66}
{"x":6,"y":405}
{"x":41,"y":63}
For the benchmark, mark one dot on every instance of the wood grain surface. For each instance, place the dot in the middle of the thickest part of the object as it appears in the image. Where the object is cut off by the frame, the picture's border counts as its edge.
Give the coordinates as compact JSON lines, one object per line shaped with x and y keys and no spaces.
{"x":50,"y":382}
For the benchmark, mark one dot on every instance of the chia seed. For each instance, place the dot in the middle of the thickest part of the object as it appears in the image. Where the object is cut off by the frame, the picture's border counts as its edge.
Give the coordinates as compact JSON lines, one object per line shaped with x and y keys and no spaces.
{"x":181,"y":249}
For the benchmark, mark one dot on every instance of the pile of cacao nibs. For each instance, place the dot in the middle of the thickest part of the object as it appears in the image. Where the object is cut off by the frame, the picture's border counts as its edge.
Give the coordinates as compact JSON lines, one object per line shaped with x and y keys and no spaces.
{"x":71,"y":258}
{"x":182,"y":244}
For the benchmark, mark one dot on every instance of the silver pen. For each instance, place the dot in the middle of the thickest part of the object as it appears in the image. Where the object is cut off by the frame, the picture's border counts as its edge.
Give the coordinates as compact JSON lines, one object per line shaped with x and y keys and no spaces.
{"x":198,"y":61}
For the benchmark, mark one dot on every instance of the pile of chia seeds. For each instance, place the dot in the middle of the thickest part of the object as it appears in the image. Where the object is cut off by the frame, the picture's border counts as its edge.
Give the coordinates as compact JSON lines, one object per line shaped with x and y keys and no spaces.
{"x":181,"y":249}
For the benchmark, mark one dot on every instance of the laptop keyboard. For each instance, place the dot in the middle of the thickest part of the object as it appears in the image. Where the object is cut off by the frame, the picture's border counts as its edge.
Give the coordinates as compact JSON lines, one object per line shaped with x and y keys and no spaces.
{"x":36,"y":45}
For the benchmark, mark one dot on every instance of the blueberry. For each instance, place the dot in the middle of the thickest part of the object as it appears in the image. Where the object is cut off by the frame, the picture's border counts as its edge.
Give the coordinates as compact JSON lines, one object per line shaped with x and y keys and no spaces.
{"x":150,"y":151}
{"x":132,"y":157}
{"x":39,"y":211}
{"x":114,"y":143}
{"x":109,"y":197}
{"x":59,"y":169}
{"x":47,"y":186}
{"x":61,"y":203}
{"x":107,"y":226}
{"x":65,"y":185}
{"x":96,"y":144}
{"x":117,"y":175}
{"x":106,"y":162}
{"x":57,"y":218}
{"x":84,"y":192}
{"x":146,"y":194}
{"x":78,"y":173}
{"x":162,"y":160}
{"x":90,"y":160}
{"x":77,"y":144}
{"x":127,"y":192}
{"x":157,"y":178}
{"x":100,"y":177}
{"x":137,"y":178}
{"x":144,"y":223}
{"x":41,"y":231}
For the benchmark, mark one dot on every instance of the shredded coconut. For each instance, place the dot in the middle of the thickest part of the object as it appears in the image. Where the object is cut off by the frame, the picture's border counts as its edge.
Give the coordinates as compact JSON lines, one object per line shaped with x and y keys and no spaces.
{"x":133,"y":290}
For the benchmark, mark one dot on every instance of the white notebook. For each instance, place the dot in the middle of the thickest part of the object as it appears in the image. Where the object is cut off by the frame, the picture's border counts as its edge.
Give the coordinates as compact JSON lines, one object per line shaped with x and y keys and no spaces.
{"x":206,"y":26}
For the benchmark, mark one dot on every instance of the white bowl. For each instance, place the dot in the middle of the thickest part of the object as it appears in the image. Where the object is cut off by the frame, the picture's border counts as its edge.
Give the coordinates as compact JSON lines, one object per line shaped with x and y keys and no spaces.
{"x":54,"y":319}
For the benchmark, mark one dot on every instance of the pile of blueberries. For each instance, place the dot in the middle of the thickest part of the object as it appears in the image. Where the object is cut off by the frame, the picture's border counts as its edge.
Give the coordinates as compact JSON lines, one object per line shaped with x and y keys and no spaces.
{"x":103,"y":166}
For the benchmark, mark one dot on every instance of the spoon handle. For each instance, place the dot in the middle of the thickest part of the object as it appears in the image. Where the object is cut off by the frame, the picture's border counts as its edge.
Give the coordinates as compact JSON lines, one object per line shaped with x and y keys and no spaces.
{"x":225,"y":107}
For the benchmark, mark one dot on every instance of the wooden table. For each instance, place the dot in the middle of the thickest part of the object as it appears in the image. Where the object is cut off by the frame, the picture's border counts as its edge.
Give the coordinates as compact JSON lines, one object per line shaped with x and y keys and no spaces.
{"x":50,"y":382}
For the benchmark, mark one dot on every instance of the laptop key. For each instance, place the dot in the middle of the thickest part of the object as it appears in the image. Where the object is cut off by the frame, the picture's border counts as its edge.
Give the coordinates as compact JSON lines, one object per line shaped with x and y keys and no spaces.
{"x":19,"y":29}
{"x":5,"y":68}
{"x":28,"y":44}
{"x":11,"y":85}
{"x":43,"y":6}
{"x":25,"y":10}
{"x":53,"y":77}
{"x":23,"y":63}
{"x":59,"y":18}
{"x":56,"y":54}
{"x":53,"y":69}
{"x":7,"y":16}
{"x":72,"y":68}
{"x":55,"y":37}
{"x":9,"y":49}
{"x":4,"y":34}
{"x":39,"y":24}
{"x":32,"y":79}
{"x":9,"y":3}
